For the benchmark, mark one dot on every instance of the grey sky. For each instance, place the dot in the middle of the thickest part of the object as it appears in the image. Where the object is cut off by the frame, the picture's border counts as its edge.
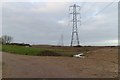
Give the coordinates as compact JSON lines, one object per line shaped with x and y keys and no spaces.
{"x":44,"y":22}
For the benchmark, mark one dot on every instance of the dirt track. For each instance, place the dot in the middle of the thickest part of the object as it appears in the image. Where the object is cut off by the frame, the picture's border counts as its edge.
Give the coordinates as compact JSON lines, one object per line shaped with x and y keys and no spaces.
{"x":102,"y":63}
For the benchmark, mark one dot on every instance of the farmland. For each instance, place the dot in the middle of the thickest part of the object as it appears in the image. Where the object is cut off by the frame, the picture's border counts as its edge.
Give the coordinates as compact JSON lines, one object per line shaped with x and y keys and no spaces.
{"x":47,"y":50}
{"x":99,"y":62}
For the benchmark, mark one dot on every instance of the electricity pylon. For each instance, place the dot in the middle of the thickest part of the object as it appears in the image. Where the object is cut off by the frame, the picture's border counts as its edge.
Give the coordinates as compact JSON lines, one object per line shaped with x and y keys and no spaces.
{"x":61,"y":43}
{"x":76,"y":16}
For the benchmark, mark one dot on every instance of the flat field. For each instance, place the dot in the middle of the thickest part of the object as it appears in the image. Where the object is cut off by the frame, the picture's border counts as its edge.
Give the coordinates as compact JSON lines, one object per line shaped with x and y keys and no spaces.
{"x":99,"y":62}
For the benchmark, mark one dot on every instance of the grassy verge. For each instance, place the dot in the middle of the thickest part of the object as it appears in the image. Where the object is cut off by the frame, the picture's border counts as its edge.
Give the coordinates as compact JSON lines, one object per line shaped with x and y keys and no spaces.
{"x":20,"y":50}
{"x":45,"y":51}
{"x":34,"y":51}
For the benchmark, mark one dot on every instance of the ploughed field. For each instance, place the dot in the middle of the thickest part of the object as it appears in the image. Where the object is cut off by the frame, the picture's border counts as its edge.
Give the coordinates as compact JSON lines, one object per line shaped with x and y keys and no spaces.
{"x":57,"y":62}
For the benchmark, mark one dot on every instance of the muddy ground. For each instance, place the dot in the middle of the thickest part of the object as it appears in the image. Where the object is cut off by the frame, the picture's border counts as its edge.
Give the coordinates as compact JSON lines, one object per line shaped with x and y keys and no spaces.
{"x":98,"y":63}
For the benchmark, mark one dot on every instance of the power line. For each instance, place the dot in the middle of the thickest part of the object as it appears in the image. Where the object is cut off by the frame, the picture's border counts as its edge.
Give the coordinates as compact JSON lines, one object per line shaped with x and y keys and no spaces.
{"x":90,"y":7}
{"x":104,"y":8}
{"x":99,"y":11}
{"x":83,"y":4}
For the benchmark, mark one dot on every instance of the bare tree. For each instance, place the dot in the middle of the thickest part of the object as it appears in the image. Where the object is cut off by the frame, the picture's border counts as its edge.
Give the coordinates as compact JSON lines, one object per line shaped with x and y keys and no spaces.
{"x":6,"y":39}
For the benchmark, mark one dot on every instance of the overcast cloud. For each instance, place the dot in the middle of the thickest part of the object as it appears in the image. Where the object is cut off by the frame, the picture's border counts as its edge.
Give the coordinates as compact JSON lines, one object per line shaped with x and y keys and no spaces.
{"x":44,"y":22}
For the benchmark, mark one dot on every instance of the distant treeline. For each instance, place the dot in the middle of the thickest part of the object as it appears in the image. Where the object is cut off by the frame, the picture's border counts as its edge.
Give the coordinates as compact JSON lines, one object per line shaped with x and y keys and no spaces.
{"x":19,"y":44}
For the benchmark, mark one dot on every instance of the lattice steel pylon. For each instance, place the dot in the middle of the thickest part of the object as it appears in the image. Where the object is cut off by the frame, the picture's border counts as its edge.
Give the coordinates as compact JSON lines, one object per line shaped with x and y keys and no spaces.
{"x":61,"y":43}
{"x":76,"y":17}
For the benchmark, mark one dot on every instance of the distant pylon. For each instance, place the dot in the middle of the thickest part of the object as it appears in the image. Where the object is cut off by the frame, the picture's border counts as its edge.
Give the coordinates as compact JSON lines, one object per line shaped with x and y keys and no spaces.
{"x":61,"y":43}
{"x":76,"y":17}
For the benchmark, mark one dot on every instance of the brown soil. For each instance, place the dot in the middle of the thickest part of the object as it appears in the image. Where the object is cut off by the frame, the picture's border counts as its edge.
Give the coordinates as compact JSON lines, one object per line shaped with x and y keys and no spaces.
{"x":98,"y":63}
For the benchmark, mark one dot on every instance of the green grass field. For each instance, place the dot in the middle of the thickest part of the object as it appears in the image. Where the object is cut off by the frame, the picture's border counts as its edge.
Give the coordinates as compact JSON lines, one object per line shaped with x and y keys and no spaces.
{"x":36,"y":51}
{"x":46,"y":51}
{"x":20,"y":50}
